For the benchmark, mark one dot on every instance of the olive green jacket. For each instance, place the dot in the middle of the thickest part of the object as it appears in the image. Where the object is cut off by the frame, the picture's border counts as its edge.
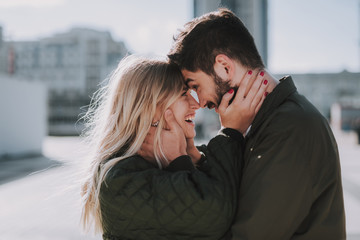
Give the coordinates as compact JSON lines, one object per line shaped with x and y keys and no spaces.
{"x":140,"y":201}
{"x":291,"y":185}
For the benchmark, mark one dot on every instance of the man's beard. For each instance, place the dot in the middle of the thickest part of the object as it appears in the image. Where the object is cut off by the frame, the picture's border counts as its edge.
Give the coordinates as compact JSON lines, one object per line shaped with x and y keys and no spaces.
{"x":222,"y":87}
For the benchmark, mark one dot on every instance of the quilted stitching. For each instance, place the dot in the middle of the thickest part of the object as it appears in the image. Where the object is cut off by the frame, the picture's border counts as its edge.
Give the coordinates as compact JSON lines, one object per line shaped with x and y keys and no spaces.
{"x":143,"y":202}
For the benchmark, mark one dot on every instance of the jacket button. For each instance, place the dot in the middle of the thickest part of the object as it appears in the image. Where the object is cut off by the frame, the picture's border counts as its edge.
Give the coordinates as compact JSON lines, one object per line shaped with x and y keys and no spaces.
{"x":259,"y":156}
{"x":251,"y":149}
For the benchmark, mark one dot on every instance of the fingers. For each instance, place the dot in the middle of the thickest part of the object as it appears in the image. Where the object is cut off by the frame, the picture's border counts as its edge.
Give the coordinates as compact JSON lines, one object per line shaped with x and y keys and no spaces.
{"x":225,"y":101}
{"x":150,"y":135}
{"x":171,"y":121}
{"x":249,"y":87}
{"x":147,"y":144}
{"x":255,"y":87}
{"x":146,"y":151}
{"x":140,"y":152}
{"x":190,"y":141}
{"x":244,"y":85}
{"x":255,"y":94}
{"x":260,"y":95}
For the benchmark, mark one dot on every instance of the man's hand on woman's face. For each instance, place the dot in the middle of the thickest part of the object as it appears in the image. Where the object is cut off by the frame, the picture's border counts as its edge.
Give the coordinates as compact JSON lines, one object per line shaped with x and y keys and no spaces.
{"x":147,"y":147}
{"x":242,"y":110}
{"x":172,"y":140}
{"x":192,"y":151}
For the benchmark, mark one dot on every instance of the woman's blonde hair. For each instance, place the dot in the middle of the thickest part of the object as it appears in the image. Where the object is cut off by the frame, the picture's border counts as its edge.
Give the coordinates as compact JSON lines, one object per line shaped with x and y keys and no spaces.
{"x":119,"y":118}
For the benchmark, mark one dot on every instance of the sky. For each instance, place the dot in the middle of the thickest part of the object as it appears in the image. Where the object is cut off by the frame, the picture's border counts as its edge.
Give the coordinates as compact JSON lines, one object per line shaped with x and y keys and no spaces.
{"x":314,"y":35}
{"x":304,"y":35}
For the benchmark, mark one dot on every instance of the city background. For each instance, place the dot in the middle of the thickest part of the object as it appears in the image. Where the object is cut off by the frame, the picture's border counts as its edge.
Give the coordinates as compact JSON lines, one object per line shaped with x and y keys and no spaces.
{"x":55,"y":53}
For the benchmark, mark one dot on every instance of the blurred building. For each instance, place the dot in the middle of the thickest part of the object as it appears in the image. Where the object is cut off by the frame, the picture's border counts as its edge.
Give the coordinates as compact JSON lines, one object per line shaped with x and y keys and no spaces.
{"x":3,"y":60}
{"x":326,"y":89}
{"x":23,"y":110}
{"x":1,"y":36}
{"x":70,"y":64}
{"x":345,"y":115}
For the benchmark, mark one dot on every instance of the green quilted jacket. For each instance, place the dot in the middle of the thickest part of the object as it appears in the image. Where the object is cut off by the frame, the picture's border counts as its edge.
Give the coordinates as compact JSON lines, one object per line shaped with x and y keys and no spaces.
{"x":140,"y":201}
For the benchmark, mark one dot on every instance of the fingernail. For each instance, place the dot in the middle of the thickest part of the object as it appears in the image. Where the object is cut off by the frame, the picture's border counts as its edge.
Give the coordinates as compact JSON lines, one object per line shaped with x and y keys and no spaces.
{"x":265,"y":82}
{"x":262,"y":74}
{"x":266,"y":93}
{"x":231,"y":91}
{"x":249,"y":72}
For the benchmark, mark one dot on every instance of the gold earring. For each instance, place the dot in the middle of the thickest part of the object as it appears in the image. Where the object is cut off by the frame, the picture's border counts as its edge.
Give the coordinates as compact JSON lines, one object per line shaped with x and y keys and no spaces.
{"x":155,"y":124}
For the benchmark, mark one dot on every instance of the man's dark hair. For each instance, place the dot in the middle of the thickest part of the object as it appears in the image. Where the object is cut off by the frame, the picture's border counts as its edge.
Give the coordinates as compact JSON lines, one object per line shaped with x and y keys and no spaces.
{"x":220,"y":32}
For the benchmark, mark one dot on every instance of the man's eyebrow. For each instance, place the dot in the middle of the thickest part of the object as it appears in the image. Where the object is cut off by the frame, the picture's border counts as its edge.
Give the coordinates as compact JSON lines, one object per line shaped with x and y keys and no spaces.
{"x":185,"y":88}
{"x":188,"y":80}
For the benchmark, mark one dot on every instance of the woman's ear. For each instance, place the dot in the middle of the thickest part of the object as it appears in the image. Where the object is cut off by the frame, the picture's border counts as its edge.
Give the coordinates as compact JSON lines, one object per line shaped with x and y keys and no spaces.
{"x":224,"y":67}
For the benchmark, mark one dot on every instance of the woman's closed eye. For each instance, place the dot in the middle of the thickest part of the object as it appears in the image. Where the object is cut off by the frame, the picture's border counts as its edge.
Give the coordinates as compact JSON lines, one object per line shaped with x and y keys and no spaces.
{"x":185,"y":92}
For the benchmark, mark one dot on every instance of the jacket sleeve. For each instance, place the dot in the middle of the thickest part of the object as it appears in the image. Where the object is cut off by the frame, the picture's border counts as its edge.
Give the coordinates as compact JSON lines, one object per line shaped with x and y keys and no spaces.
{"x":181,"y":199}
{"x":279,"y":185}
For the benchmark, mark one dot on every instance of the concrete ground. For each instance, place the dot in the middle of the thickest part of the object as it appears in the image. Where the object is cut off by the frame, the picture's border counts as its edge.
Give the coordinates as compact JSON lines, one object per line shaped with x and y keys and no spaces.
{"x":15,"y":168}
{"x":45,"y":205}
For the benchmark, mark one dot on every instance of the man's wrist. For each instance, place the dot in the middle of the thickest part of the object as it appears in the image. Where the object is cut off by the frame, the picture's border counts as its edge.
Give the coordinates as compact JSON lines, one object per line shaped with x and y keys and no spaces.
{"x":233,"y":133}
{"x":171,"y":157}
{"x":241,"y":130}
{"x":201,"y":160}
{"x":195,"y":155}
{"x":181,"y":163}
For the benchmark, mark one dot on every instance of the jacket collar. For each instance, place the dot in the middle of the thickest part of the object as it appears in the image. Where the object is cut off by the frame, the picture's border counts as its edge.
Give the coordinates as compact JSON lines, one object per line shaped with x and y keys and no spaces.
{"x":285,"y":88}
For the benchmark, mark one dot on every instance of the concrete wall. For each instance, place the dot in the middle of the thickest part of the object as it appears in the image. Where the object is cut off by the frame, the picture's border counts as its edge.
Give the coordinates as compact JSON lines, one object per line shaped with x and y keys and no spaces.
{"x":23,"y":111}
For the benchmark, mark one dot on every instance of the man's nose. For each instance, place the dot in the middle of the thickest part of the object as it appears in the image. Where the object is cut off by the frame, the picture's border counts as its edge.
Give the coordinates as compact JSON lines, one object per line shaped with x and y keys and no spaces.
{"x":199,"y":100}
{"x":193,"y":103}
{"x":202,"y":103}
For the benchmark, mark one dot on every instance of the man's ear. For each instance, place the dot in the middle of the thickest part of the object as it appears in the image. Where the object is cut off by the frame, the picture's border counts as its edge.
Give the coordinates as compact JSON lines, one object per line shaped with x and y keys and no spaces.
{"x":224,"y":67}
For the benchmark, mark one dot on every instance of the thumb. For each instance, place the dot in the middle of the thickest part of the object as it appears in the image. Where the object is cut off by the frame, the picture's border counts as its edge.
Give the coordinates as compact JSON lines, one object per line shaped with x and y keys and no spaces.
{"x":225,"y":101}
{"x":170,"y":120}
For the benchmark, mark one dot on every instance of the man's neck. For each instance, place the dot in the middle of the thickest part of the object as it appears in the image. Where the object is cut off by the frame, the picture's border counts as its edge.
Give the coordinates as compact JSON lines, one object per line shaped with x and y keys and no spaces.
{"x":272,"y":82}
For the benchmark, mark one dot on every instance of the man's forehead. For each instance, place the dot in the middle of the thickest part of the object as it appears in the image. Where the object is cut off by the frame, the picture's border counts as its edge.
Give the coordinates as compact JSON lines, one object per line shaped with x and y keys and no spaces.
{"x":187,"y":76}
{"x":187,"y":73}
{"x":194,"y":76}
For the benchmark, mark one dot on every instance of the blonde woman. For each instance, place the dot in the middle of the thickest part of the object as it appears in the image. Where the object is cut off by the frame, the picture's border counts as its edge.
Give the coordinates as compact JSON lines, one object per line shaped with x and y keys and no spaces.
{"x":186,"y":195}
